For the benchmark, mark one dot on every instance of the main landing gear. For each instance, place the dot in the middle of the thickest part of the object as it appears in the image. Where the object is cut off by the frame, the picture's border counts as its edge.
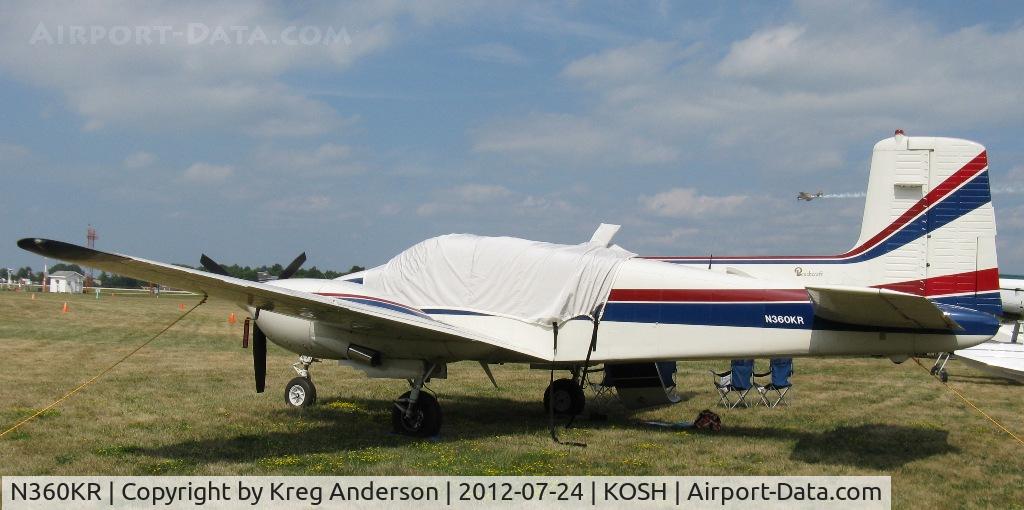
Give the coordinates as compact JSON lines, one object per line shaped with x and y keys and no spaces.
{"x":417,"y":413}
{"x":566,"y":396}
{"x":939,"y":368}
{"x":300,"y":391}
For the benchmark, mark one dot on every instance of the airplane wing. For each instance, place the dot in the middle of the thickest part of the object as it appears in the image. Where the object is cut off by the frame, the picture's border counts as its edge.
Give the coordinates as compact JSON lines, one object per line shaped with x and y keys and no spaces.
{"x":400,"y":325}
{"x":868,"y":306}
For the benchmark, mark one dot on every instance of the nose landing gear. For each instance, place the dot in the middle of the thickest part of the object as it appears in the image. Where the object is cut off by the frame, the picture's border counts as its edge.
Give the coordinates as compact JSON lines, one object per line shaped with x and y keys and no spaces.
{"x":300,"y":391}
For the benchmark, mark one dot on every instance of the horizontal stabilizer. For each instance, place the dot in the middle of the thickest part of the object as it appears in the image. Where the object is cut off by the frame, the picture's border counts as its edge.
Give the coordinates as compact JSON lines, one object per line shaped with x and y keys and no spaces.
{"x":866,"y":306}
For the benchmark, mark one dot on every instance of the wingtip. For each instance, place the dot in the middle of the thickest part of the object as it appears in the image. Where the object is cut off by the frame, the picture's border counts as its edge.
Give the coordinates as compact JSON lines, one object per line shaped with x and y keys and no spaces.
{"x":64,"y":251}
{"x":32,"y":244}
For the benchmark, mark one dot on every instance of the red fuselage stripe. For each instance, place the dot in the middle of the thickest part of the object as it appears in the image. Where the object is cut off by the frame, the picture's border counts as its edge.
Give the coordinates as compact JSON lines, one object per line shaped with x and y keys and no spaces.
{"x":974,"y":281}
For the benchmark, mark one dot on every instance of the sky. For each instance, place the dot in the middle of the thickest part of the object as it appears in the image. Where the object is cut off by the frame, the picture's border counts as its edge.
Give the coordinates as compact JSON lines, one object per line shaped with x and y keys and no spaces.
{"x":252,"y":131}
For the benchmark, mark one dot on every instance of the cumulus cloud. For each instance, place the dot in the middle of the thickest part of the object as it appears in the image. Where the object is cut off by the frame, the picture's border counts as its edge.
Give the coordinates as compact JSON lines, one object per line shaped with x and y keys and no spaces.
{"x":490,"y":200}
{"x":481,"y":193}
{"x":10,"y":151}
{"x":206,"y":173}
{"x":552,"y":139}
{"x":300,"y":204}
{"x":634,"y":63}
{"x":674,"y":236}
{"x":174,"y":82}
{"x":329,"y":159}
{"x":790,"y":95}
{"x":140,"y":159}
{"x":689,"y":203}
{"x":496,"y":53}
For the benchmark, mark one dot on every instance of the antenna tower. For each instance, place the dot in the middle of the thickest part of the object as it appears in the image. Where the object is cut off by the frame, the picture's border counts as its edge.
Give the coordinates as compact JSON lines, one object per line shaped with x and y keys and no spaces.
{"x":90,"y":241}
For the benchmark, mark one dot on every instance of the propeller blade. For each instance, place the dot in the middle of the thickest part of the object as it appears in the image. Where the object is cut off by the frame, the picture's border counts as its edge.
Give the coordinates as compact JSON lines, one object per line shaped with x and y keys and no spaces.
{"x":212,"y":266}
{"x":259,"y":357}
{"x":293,"y":267}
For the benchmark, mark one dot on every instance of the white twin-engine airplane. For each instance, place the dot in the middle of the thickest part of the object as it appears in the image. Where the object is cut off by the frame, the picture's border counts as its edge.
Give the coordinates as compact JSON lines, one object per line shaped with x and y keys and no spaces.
{"x":922,"y":279}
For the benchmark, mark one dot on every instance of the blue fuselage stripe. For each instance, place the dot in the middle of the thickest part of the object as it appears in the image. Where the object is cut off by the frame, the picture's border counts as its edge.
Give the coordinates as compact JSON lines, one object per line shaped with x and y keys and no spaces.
{"x":768,"y":315}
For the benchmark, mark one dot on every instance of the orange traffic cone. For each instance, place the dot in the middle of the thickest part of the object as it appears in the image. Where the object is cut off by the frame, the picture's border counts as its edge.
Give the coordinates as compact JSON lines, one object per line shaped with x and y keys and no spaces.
{"x":232,"y":319}
{"x":64,"y":309}
{"x":181,"y":306}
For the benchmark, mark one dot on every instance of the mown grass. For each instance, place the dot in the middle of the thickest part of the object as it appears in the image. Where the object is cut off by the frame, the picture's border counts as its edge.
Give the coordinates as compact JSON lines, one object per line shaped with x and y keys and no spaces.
{"x":186,"y":405}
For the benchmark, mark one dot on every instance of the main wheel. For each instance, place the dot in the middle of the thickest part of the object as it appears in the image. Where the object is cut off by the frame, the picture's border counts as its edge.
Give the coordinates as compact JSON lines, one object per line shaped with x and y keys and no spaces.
{"x":566,"y":396}
{"x":300,"y":392}
{"x":425,"y":419}
{"x":943,"y":375}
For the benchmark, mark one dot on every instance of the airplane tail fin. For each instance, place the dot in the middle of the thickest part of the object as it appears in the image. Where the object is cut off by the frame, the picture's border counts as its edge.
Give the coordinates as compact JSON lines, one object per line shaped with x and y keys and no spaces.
{"x":929,"y":226}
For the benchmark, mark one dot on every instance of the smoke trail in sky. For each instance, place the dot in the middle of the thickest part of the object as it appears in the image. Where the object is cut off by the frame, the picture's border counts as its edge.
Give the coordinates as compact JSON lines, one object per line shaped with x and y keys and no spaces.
{"x":1008,"y":190}
{"x":859,"y":194}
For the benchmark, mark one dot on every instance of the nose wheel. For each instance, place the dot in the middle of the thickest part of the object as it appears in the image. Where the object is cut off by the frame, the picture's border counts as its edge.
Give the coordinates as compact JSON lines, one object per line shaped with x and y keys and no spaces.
{"x":300,"y":391}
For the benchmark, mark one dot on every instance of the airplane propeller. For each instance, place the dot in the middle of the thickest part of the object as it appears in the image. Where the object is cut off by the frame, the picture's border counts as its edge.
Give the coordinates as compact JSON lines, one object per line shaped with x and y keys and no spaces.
{"x":259,"y":338}
{"x":212,"y":266}
{"x":259,"y":355}
{"x":293,"y":267}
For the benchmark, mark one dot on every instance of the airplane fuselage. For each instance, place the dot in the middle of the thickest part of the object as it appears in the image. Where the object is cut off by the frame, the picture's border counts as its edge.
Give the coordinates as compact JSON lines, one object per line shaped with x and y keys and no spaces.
{"x":655,"y":311}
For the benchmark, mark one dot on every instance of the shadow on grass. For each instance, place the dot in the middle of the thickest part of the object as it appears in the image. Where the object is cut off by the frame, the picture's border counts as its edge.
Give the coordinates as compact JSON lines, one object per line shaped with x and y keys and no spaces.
{"x":874,"y":446}
{"x":340,"y":425}
{"x":986,"y":379}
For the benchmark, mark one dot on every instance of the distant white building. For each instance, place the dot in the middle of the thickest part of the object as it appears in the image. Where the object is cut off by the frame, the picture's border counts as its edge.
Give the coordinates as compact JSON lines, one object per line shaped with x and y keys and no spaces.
{"x":67,"y":282}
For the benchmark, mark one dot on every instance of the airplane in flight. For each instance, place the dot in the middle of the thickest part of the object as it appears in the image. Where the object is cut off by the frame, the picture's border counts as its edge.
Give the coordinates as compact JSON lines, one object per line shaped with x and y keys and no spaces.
{"x":573,"y":307}
{"x":807,"y":197}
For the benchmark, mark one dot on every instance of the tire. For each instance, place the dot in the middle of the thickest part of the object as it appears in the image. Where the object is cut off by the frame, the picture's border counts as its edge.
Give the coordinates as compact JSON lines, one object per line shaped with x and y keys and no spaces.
{"x":425,"y":420}
{"x":568,"y":397}
{"x":944,"y":376}
{"x":300,"y":392}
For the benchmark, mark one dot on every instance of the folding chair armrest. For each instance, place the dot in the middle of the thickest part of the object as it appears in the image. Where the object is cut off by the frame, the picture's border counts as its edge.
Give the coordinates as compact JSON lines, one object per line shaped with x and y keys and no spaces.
{"x":720,"y":374}
{"x":766,"y":374}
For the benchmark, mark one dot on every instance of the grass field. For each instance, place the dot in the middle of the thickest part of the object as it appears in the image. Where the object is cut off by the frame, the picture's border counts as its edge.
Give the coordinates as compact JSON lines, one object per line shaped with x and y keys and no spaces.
{"x":185,"y":405}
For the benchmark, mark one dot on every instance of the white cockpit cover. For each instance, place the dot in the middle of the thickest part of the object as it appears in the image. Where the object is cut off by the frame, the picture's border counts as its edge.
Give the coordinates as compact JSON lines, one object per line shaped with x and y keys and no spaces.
{"x":531,"y":281}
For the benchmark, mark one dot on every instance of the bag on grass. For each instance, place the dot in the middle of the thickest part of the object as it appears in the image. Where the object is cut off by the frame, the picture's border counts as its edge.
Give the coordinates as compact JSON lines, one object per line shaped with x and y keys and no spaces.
{"x":707,"y":420}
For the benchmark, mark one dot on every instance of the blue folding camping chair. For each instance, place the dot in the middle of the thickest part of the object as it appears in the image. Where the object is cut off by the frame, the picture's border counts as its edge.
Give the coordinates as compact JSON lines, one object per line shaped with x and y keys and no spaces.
{"x":779,"y":372}
{"x":734,"y":383}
